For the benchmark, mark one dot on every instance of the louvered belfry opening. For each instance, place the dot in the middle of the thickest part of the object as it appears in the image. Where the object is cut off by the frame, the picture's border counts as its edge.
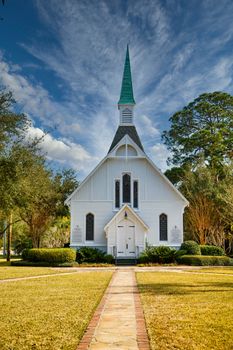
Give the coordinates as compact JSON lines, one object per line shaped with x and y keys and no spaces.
{"x":127,"y":116}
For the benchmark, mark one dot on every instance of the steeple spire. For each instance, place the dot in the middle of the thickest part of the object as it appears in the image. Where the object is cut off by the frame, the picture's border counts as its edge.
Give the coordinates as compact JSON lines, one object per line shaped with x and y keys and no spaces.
{"x":126,"y":97}
{"x":126,"y":108}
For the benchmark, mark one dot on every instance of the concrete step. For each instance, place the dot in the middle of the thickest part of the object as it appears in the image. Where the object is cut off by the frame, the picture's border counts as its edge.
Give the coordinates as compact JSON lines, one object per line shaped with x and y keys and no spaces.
{"x":126,"y":261}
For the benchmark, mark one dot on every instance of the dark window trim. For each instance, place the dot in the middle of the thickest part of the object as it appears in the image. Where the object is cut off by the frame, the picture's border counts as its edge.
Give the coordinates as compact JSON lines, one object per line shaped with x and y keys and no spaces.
{"x":135,"y":200}
{"x":92,"y":227}
{"x":124,"y":195}
{"x":163,"y":227}
{"x":117,"y":201}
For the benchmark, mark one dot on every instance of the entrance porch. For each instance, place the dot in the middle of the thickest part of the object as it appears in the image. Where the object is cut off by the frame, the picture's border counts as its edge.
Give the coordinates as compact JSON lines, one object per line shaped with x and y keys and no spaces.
{"x":126,"y":233}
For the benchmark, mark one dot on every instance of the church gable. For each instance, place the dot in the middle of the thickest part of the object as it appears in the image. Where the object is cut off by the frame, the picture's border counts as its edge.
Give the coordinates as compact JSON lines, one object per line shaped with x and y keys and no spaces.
{"x":126,"y":130}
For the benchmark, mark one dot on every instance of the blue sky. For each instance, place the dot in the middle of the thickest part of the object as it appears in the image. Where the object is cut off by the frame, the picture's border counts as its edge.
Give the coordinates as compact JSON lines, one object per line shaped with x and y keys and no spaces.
{"x":63,"y":60}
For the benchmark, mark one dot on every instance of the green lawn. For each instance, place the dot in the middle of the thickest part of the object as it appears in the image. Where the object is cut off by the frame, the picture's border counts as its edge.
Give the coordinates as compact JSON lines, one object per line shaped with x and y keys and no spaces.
{"x":49,"y":313}
{"x":3,"y":261}
{"x":187,"y":311}
{"x":226,"y":270}
{"x":7,"y":272}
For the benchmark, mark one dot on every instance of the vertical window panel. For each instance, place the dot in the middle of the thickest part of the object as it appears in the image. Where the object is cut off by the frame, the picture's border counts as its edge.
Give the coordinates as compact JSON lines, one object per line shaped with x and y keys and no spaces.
{"x":89,"y":227}
{"x":135,"y":194}
{"x":126,"y":188}
{"x":117,"y":194}
{"x":163,"y":227}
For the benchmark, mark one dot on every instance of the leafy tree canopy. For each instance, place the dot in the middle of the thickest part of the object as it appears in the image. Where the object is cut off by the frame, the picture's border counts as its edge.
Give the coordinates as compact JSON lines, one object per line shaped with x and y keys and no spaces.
{"x":202,"y":130}
{"x":12,"y":125}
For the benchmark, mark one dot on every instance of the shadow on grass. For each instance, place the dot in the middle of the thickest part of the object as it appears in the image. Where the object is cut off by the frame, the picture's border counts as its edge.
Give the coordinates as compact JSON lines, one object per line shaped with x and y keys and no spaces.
{"x":185,"y":289}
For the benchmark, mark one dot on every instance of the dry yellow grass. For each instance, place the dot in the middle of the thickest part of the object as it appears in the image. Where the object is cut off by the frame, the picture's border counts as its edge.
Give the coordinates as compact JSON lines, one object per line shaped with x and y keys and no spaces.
{"x":8,"y":272}
{"x":188,"y":311}
{"x":225,"y":270}
{"x":49,"y":313}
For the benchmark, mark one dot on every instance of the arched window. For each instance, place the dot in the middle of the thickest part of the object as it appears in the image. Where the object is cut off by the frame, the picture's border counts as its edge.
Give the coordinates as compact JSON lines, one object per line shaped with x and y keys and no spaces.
{"x":163,"y":227}
{"x":89,"y":227}
{"x":126,"y":188}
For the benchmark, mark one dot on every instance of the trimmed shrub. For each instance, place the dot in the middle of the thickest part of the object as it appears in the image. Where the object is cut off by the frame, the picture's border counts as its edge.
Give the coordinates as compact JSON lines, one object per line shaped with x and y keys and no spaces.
{"x":88,"y":254}
{"x":165,"y":254}
{"x":109,"y":259}
{"x":211,"y":250}
{"x":52,"y":255}
{"x":25,"y":254}
{"x":205,"y":260}
{"x":179,"y":253}
{"x":191,"y":247}
{"x":43,"y":264}
{"x":160,"y":255}
{"x":143,"y":258}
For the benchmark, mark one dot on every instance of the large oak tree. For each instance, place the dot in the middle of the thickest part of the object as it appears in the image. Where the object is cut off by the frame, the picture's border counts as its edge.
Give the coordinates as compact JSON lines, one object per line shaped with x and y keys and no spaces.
{"x":202,"y":130}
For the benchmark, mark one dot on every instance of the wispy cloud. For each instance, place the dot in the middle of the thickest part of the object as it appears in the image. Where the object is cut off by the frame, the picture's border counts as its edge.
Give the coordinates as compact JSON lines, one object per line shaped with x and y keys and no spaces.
{"x":63,"y":151}
{"x":178,"y":51}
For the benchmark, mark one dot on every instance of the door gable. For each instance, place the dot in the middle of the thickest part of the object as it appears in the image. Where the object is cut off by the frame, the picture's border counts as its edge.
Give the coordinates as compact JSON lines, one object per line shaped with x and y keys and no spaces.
{"x":126,"y":213}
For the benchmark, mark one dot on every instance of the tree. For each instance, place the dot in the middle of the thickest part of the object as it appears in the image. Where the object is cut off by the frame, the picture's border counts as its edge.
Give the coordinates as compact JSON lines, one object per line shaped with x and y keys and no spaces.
{"x":12,"y":125}
{"x":12,"y":129}
{"x":36,"y":199}
{"x":65,"y":183}
{"x":208,"y":215}
{"x":202,"y":130}
{"x":175,"y":174}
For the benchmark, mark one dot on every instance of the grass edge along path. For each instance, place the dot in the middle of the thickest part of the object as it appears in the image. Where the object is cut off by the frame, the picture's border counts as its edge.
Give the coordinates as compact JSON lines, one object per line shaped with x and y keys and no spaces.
{"x":187,"y":311}
{"x":15,"y":272}
{"x":49,"y":313}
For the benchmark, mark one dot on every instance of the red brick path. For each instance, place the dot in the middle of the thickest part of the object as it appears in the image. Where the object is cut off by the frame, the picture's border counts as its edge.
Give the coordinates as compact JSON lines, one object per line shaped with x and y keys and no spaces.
{"x":142,"y":337}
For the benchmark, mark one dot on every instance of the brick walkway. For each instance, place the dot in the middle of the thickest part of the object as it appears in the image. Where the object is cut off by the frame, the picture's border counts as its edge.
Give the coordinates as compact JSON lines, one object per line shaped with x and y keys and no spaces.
{"x":118,"y":322}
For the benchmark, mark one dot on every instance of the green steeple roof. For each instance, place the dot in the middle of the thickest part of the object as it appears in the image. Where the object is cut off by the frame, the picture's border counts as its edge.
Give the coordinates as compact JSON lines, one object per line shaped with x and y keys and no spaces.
{"x":126,"y":86}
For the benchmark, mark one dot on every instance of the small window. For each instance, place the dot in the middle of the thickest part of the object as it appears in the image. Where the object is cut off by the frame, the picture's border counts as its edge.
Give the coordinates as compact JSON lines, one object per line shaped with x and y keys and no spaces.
{"x":126,"y":188}
{"x":117,"y":194}
{"x":163,"y":227}
{"x":89,"y":227}
{"x":135,"y":194}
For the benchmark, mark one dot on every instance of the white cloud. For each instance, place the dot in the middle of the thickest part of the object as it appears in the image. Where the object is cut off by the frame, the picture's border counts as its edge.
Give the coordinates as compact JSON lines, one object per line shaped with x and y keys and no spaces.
{"x":63,"y":151}
{"x":146,"y":127}
{"x":159,"y":154}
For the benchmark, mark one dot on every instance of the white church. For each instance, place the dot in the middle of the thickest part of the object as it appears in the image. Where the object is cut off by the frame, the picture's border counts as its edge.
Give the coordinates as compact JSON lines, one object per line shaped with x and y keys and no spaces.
{"x":126,"y":202}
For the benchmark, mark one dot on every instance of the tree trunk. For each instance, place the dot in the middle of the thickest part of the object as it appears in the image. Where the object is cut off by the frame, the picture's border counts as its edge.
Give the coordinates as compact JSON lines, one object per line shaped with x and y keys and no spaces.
{"x":9,"y":237}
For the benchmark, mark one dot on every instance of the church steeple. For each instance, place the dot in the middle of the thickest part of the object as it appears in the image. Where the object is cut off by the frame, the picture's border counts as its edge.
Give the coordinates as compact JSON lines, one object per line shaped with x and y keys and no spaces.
{"x":126,"y":96}
{"x":126,"y":106}
{"x":126,"y":102}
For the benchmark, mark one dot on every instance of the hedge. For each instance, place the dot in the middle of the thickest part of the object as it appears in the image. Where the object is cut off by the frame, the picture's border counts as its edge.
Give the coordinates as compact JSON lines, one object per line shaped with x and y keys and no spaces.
{"x":211,"y":250}
{"x":205,"y":260}
{"x":191,"y":248}
{"x":93,"y":255}
{"x":52,"y":255}
{"x":160,"y":255}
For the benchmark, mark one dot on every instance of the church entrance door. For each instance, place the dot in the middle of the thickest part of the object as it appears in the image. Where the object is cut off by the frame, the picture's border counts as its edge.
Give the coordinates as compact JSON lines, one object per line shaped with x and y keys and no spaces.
{"x":126,"y":239}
